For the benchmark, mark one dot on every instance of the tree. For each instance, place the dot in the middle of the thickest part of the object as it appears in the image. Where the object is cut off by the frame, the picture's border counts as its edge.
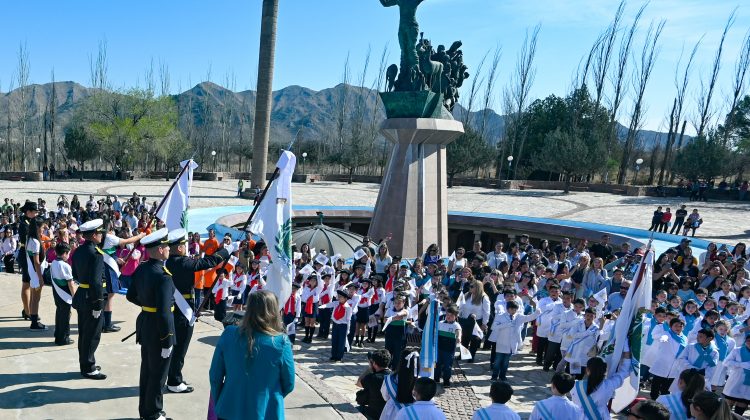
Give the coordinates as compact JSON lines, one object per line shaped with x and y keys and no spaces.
{"x":468,"y":152}
{"x":264,"y":101}
{"x":79,"y":145}
{"x":702,"y":158}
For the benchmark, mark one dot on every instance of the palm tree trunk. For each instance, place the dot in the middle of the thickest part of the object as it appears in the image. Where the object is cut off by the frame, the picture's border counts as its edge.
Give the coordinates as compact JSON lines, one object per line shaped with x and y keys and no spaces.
{"x":264,"y":101}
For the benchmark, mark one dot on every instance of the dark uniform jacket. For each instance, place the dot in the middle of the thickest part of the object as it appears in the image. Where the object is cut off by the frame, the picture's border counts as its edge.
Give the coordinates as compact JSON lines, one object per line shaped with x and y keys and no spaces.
{"x":88,"y":270}
{"x":152,"y":289}
{"x":184,"y":268}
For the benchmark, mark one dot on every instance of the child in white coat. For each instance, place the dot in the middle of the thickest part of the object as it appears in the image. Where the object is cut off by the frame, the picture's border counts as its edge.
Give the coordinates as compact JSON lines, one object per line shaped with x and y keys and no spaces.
{"x":506,"y":334}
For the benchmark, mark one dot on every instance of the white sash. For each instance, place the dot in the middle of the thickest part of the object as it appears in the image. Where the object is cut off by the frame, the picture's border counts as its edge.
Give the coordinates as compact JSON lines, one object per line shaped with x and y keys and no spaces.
{"x":62,"y":293}
{"x":111,"y":263}
{"x":35,"y":282}
{"x":184,"y":307}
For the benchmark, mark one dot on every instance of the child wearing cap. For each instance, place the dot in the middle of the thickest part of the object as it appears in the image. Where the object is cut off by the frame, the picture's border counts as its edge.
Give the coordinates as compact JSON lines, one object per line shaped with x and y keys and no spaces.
{"x":365,"y":293}
{"x":238,"y":287}
{"x":354,"y":299}
{"x":325,"y":309}
{"x":341,"y":316}
{"x":376,"y":312}
{"x":311,"y":297}
{"x":395,"y":328}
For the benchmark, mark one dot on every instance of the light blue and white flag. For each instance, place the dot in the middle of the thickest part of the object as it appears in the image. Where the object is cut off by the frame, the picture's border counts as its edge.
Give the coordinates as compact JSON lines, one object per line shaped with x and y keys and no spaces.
{"x":428,"y":352}
{"x":273,"y":223}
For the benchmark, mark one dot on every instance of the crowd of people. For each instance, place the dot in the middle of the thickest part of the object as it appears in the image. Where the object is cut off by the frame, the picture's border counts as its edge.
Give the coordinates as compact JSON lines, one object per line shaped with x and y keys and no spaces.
{"x":565,"y":297}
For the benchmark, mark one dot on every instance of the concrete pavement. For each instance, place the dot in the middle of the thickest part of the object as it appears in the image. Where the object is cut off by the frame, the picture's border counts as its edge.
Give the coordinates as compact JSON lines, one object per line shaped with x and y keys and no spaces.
{"x":39,"y":380}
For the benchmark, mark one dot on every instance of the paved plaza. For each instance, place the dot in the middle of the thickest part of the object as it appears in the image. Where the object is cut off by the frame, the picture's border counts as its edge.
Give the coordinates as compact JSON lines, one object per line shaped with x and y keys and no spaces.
{"x":724,"y":221}
{"x":39,"y":380}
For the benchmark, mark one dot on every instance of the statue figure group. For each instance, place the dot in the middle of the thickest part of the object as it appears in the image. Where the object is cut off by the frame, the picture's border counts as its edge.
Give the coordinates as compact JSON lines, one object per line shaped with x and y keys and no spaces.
{"x":423,"y":68}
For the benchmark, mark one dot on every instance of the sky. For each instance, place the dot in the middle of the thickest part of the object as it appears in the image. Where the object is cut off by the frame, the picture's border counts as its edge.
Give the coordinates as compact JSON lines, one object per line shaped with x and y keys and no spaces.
{"x":218,"y":40}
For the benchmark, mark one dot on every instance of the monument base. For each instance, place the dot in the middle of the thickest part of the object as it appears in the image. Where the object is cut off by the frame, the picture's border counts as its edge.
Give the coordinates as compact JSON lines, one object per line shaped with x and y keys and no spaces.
{"x":412,"y":205}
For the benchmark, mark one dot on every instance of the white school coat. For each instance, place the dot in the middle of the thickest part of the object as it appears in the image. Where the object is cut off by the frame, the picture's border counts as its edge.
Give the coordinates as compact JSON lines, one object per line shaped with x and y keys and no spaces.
{"x":571,"y":319}
{"x":689,"y":356}
{"x":666,"y":362}
{"x":605,"y":391}
{"x":649,"y":351}
{"x":735,"y":386}
{"x":422,"y":410}
{"x":496,"y":411}
{"x":561,"y":316}
{"x":583,"y":339}
{"x":559,"y":407}
{"x":506,"y":333}
{"x":719,"y":377}
{"x":544,"y":323}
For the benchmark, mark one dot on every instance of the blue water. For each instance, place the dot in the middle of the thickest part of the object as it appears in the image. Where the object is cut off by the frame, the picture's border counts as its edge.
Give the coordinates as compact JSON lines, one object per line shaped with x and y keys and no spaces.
{"x":201,"y":219}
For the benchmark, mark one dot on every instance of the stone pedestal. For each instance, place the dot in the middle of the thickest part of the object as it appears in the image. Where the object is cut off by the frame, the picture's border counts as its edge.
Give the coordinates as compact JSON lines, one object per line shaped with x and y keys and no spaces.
{"x":412,"y":205}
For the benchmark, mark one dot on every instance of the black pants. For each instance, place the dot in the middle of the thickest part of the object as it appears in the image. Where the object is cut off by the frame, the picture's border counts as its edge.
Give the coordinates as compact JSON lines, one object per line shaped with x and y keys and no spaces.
{"x":9,"y":262}
{"x":552,"y":355}
{"x":89,"y":334}
{"x":324,"y":318}
{"x":468,"y":339}
{"x":62,"y":318}
{"x":541,"y":349}
{"x":654,"y":226}
{"x":663,"y":227}
{"x":154,"y":370}
{"x":677,"y":226}
{"x":660,"y":386}
{"x":395,"y":341}
{"x":220,"y":310}
{"x":183,"y":332}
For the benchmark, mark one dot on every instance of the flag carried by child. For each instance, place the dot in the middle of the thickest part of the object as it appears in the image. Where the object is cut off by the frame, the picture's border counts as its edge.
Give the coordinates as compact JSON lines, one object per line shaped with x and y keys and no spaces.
{"x":428,"y":352}
{"x":627,"y":333}
{"x":273,"y":223}
{"x":173,"y":207}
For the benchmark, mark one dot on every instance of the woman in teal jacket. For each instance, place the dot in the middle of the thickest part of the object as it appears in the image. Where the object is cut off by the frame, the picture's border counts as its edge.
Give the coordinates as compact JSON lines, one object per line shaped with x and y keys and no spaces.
{"x":252,"y":384}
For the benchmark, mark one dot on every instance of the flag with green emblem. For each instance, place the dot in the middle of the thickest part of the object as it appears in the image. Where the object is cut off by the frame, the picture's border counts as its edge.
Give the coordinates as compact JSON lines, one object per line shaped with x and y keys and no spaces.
{"x":173,"y":207}
{"x":273,"y":223}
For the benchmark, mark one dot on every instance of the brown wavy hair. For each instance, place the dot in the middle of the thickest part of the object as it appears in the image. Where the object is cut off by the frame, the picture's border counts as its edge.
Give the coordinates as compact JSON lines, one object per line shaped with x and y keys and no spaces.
{"x":262,"y":315}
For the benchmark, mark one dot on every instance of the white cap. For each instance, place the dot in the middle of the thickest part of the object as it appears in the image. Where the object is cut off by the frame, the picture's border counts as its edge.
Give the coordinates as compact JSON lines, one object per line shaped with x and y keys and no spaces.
{"x":92,"y":225}
{"x":177,"y":236}
{"x":157,"y":238}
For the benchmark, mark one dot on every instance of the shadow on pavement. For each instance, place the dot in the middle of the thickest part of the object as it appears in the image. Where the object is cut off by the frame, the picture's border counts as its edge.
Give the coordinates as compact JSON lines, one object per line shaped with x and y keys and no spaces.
{"x":25,"y":345}
{"x":10,"y":379}
{"x":210,"y":340}
{"x":41,"y":395}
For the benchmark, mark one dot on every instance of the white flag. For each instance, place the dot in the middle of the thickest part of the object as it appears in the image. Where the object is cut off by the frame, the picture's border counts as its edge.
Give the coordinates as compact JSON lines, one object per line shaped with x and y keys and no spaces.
{"x":273,"y":223}
{"x":174,"y":205}
{"x":627,"y":334}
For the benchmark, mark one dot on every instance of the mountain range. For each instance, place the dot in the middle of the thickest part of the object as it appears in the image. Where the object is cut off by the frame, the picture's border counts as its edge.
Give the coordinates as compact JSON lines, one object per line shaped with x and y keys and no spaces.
{"x":295,"y":109}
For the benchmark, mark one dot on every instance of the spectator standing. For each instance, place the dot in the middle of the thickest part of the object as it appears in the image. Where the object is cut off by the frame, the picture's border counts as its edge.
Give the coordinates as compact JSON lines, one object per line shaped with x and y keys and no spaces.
{"x":603,"y":249}
{"x":656,"y":219}
{"x":666,"y":218}
{"x":680,"y":215}
{"x":252,"y":368}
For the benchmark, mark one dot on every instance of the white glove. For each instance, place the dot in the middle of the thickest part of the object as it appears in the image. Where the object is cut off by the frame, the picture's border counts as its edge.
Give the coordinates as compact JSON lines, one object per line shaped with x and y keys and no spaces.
{"x":166,"y":352}
{"x":664,"y":338}
{"x":235,"y":247}
{"x":96,"y":314}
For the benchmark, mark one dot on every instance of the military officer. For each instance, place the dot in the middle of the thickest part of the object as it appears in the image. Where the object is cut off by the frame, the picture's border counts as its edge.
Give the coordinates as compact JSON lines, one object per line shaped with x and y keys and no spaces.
{"x":152,"y":289}
{"x":183,"y":269}
{"x":88,"y":269}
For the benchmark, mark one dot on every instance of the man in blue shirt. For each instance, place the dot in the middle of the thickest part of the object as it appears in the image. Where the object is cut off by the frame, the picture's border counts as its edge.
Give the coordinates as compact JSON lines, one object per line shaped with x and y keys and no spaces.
{"x":616,"y":299}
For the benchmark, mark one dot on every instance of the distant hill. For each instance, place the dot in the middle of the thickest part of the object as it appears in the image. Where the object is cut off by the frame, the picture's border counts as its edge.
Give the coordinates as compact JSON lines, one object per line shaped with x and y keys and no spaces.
{"x":294,"y":107}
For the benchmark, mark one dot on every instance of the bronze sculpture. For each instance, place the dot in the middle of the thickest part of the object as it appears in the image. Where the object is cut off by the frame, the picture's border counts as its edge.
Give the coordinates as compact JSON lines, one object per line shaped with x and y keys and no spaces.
{"x":422,"y":68}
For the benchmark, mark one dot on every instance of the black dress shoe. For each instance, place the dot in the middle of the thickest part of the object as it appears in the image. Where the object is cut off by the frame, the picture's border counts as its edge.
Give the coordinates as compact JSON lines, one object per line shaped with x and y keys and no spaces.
{"x":38,"y":327}
{"x":66,"y":342}
{"x":174,"y":390}
{"x":111,"y":329}
{"x":96,"y":376}
{"x":23,"y":315}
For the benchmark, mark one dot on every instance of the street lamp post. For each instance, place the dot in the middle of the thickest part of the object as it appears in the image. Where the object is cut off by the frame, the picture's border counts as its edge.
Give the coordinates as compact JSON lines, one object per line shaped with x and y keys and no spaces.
{"x":638,"y":163}
{"x":39,"y":158}
{"x":304,"y":157}
{"x":213,"y":153}
{"x":510,"y":163}
{"x":126,"y":159}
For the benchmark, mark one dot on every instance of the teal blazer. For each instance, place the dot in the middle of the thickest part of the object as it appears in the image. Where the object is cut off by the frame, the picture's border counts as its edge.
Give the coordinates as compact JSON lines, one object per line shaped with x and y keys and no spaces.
{"x":251,"y":388}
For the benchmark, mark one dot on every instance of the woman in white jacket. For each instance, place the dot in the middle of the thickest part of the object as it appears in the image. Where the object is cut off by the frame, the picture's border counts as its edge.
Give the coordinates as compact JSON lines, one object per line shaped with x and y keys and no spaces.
{"x":737,"y":388}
